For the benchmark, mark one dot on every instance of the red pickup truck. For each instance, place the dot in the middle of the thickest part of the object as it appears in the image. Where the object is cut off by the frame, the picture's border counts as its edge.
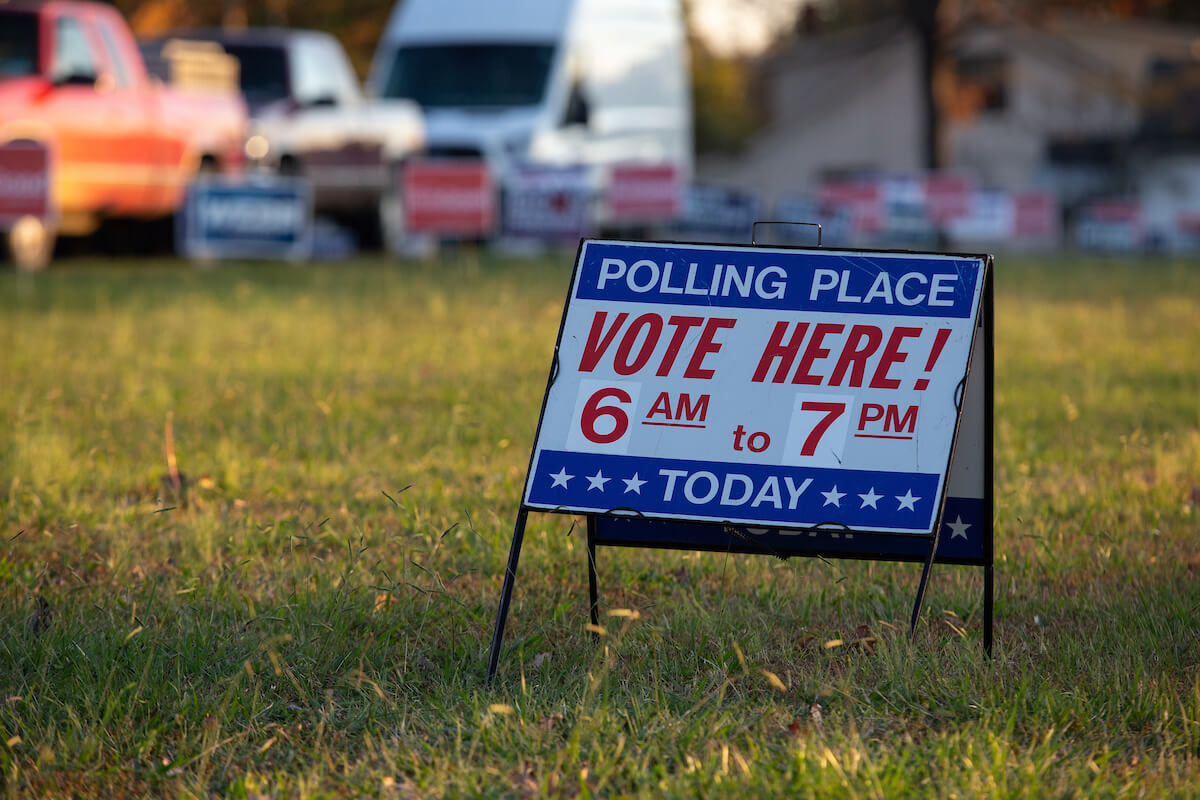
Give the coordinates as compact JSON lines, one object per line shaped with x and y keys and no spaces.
{"x":122,"y":144}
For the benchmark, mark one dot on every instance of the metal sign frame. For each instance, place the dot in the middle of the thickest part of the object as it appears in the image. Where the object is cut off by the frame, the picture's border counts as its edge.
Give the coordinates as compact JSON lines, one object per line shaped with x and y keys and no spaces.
{"x":627,"y":528}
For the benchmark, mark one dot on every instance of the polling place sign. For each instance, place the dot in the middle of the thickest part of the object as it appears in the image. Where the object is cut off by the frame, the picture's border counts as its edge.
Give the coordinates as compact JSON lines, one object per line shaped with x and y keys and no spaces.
{"x":769,"y":400}
{"x":762,"y":387}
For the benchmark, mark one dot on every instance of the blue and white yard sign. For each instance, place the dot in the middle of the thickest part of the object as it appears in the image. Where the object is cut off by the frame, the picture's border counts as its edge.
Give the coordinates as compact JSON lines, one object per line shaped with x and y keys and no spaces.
{"x":261,"y":217}
{"x":768,"y":388}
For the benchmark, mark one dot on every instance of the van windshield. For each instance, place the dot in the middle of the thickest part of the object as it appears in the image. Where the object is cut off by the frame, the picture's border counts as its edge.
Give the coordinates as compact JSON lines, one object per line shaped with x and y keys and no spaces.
{"x":18,"y":44}
{"x":470,"y":75}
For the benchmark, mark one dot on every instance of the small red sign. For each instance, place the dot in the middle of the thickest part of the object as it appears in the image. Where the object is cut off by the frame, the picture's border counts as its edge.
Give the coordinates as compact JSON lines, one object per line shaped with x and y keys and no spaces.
{"x":1035,"y":215}
{"x":24,"y":181}
{"x":647,"y":192}
{"x":449,"y":198}
{"x":862,"y":199}
{"x":947,"y":197}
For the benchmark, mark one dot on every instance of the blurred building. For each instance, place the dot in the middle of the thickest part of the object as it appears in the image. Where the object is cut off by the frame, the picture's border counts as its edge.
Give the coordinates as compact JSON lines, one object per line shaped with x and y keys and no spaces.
{"x":1079,"y":105}
{"x":836,"y":104}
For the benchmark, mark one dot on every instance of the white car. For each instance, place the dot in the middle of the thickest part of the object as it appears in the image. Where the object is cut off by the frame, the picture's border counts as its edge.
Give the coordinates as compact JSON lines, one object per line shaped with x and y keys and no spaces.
{"x":309,"y":118}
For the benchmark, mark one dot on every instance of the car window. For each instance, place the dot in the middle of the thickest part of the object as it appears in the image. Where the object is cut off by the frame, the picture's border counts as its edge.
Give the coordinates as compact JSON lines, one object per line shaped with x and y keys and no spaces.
{"x":114,"y":54}
{"x":73,"y":57}
{"x":18,"y":44}
{"x":262,"y":73}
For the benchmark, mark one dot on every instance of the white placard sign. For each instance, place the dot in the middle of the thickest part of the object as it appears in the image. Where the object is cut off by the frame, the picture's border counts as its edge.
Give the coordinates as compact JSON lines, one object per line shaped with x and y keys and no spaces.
{"x":762,"y":386}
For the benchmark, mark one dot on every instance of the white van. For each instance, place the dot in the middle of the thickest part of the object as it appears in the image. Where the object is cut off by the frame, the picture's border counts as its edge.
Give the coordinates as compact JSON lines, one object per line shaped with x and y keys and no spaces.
{"x":545,"y":82}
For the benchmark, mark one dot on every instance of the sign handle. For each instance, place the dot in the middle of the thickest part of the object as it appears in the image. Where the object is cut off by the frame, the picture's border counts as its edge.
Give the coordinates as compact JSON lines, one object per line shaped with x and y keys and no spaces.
{"x":593,"y":593}
{"x":510,"y":576}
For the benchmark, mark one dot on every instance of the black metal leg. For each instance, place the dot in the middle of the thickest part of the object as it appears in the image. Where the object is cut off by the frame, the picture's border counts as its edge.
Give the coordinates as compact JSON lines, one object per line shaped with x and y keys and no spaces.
{"x":593,"y":593}
{"x":988,"y":591}
{"x":916,"y":612}
{"x":510,"y":576}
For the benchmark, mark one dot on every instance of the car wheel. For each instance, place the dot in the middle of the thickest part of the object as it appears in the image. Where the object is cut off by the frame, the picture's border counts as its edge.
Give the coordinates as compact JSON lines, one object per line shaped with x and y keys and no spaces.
{"x":31,"y":243}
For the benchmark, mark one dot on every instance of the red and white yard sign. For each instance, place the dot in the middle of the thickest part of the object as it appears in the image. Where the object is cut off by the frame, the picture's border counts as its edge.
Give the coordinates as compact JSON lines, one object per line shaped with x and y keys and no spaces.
{"x":645,"y":193}
{"x":24,"y":181}
{"x":452,"y":198}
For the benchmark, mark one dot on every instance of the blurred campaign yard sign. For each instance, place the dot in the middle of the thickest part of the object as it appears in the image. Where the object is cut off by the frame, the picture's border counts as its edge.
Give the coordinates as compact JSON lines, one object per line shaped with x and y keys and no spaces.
{"x":547,"y":202}
{"x":837,"y":224}
{"x":1112,"y":226}
{"x":749,"y":398}
{"x":717,"y":214}
{"x":644,"y":193}
{"x":1036,"y":219}
{"x":24,"y":181}
{"x":265,"y":216}
{"x":26,"y":205}
{"x":449,"y":197}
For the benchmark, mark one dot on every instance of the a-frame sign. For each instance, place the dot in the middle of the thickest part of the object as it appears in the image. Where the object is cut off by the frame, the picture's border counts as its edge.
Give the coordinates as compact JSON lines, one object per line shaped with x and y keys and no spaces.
{"x":780,"y":401}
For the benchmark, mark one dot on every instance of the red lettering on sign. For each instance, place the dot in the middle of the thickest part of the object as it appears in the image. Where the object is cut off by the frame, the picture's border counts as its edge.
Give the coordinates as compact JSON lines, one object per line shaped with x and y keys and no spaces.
{"x":777,"y":349}
{"x":653,"y":324}
{"x":706,"y":346}
{"x":861,"y":344}
{"x":599,"y":339}
{"x":682,"y":326}
{"x":892,"y":355}
{"x":814,"y":351}
{"x":662,"y":405}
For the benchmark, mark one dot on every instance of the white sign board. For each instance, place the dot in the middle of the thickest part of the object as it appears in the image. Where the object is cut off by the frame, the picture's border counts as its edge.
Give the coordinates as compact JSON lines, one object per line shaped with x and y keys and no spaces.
{"x":762,"y":386}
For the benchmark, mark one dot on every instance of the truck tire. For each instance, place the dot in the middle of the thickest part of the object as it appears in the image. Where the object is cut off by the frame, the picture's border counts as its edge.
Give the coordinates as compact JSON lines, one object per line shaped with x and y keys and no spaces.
{"x":30,"y":243}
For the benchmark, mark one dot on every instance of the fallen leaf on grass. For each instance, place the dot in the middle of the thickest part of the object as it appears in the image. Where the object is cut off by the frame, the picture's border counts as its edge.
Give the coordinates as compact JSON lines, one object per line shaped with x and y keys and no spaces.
{"x":628,"y":613}
{"x":539,"y":660}
{"x":773,"y":679}
{"x":863,"y":639}
{"x":548,"y":723}
{"x":524,"y":782}
{"x":814,"y":711}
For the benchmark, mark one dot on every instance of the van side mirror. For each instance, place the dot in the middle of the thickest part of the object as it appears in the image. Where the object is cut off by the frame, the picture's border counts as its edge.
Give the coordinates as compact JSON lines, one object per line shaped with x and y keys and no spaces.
{"x":578,"y":111}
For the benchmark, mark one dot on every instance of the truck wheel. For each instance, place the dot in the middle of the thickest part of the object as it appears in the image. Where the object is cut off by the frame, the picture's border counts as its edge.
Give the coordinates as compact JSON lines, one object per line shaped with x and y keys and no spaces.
{"x":30,"y":243}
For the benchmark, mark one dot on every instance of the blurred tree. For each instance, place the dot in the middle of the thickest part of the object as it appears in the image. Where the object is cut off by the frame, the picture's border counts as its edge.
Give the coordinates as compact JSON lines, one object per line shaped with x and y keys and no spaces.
{"x":723,"y":113}
{"x":358,"y":24}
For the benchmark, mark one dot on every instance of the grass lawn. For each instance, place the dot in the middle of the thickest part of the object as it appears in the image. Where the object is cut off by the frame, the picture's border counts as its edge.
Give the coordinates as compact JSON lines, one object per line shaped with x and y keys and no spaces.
{"x":311,"y":618}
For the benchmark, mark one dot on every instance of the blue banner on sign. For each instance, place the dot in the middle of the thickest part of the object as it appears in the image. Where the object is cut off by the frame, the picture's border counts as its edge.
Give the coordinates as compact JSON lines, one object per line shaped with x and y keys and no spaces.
{"x":962,"y":539}
{"x":847,"y":283}
{"x":797,"y":497}
{"x":263,"y":217}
